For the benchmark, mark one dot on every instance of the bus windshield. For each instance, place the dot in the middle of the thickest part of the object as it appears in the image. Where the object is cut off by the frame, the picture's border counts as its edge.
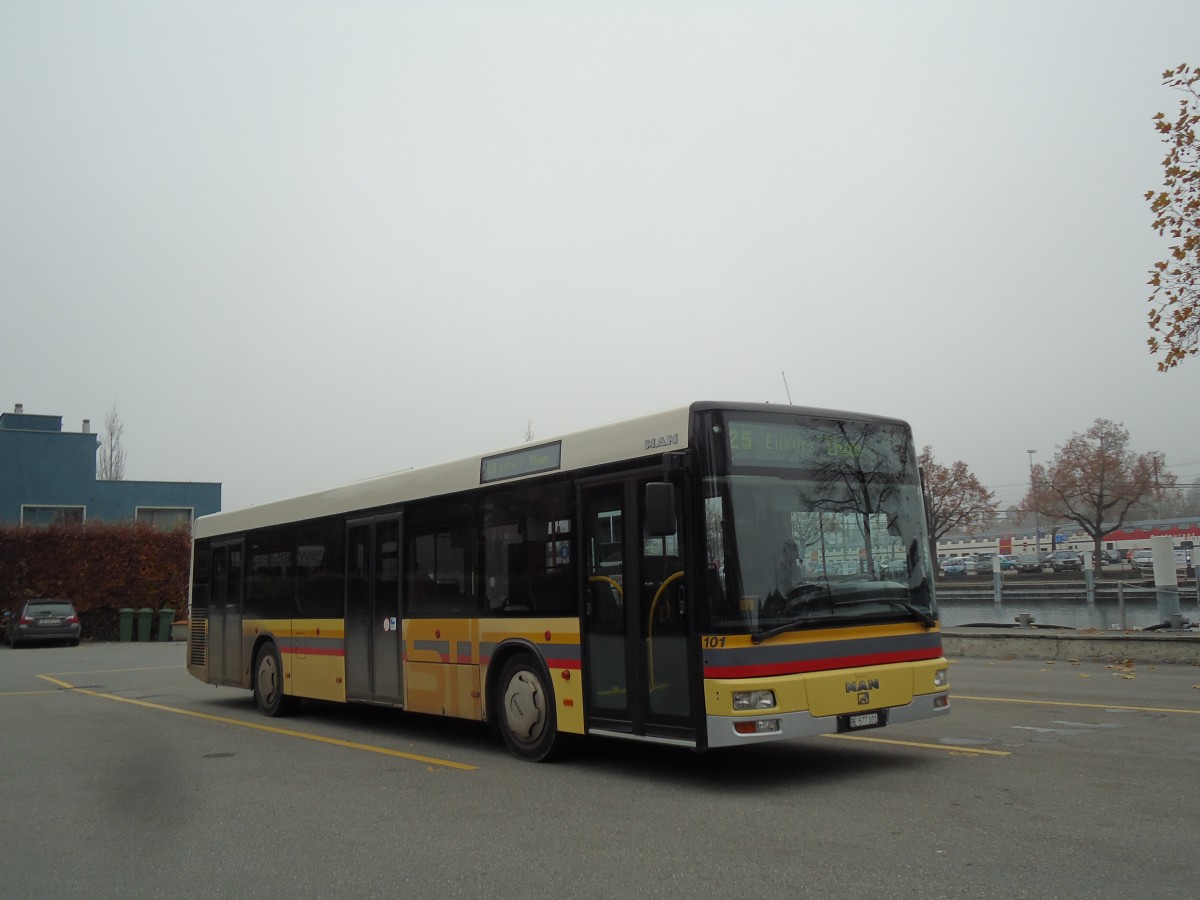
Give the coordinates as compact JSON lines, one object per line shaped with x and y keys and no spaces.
{"x":814,"y":522}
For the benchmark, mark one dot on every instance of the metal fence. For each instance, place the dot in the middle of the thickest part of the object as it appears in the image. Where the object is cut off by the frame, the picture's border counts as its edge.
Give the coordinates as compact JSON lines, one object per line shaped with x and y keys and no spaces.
{"x":1015,"y":592}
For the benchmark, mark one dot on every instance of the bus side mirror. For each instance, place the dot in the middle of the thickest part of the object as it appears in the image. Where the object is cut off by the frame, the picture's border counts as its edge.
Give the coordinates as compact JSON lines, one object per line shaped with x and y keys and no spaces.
{"x":660,"y":508}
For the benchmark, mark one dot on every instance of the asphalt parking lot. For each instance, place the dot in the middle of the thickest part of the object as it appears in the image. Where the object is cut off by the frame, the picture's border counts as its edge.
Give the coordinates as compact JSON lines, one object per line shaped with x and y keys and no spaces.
{"x":124,"y":777}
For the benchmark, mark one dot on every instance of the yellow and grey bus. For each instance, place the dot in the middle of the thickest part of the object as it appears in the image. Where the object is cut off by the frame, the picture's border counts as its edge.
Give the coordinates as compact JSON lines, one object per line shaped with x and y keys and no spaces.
{"x":714,"y":576}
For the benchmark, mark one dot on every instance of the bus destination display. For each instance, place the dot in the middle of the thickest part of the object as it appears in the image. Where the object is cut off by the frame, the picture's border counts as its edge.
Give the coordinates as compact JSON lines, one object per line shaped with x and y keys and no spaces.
{"x":515,"y":463}
{"x":771,"y":444}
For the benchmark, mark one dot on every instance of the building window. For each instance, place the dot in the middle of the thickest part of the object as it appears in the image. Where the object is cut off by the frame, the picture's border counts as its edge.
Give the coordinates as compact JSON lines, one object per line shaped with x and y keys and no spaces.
{"x":165,"y":518}
{"x":41,"y":516}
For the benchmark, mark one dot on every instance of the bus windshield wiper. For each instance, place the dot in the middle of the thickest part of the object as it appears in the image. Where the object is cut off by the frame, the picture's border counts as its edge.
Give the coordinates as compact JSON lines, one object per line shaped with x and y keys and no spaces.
{"x":920,"y":615}
{"x":758,"y":637}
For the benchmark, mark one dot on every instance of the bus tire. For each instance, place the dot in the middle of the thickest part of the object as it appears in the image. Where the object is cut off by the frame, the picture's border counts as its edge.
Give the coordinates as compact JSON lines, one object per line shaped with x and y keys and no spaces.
{"x":526,"y":716}
{"x":268,"y":682}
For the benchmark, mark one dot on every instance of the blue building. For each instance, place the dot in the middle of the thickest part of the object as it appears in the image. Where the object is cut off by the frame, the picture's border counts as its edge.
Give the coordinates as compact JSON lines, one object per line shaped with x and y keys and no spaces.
{"x":48,"y":476}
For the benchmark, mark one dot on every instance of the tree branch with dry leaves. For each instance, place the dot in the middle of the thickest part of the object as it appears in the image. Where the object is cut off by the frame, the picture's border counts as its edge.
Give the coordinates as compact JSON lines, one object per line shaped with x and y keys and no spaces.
{"x":1174,"y":316}
{"x":955,"y":500}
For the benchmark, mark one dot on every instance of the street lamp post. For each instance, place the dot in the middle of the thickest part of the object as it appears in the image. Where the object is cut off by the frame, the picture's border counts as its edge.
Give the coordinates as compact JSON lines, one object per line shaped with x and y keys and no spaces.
{"x":1037,"y":526}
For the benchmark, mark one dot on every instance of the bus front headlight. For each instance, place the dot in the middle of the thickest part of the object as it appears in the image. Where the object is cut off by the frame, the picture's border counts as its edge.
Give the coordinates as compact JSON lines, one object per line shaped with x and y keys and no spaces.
{"x":941,"y":678}
{"x":753,"y":699}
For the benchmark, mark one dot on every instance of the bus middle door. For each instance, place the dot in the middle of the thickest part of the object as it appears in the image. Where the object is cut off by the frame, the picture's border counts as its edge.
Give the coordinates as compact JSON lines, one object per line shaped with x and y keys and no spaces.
{"x":372,"y":638}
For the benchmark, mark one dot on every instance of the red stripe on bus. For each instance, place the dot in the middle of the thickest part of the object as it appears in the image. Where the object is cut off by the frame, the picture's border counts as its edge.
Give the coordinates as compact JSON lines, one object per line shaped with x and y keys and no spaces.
{"x":563,"y":664}
{"x":795,"y":667}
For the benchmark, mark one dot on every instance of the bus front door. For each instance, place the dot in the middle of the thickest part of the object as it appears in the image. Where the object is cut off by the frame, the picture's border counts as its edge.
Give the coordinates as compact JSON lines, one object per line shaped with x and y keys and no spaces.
{"x":373,"y":610}
{"x":635,"y":619}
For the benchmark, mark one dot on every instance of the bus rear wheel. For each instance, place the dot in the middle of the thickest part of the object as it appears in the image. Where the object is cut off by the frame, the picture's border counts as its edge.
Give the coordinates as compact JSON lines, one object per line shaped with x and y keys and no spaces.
{"x":527,"y":718}
{"x":268,"y":683}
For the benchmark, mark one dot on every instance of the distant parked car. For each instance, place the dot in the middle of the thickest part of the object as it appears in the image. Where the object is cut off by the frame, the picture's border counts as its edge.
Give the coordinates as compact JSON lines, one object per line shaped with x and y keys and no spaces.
{"x":1142,"y":559}
{"x":983,"y":562}
{"x":959,"y":565}
{"x":1112,"y":557}
{"x":1007,"y":562}
{"x":43,"y":620}
{"x":1065,"y":561}
{"x":1029,"y":562}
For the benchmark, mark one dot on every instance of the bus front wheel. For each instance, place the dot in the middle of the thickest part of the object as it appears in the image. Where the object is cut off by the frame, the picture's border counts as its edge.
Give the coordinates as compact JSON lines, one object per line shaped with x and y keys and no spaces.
{"x":268,"y":682}
{"x":527,"y":718}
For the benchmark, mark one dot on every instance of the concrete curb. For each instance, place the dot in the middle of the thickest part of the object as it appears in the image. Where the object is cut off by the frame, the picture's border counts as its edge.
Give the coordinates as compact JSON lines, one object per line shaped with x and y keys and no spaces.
{"x":1034,"y":643}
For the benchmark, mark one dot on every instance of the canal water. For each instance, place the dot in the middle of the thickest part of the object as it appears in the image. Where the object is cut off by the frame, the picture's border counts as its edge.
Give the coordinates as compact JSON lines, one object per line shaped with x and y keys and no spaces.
{"x":1103,"y":615}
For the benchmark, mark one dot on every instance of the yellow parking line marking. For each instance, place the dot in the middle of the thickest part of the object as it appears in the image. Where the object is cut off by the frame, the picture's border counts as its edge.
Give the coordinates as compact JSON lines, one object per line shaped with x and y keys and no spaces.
{"x":1155,"y":709}
{"x":320,"y":739}
{"x":943,"y":747}
{"x":107,"y":671}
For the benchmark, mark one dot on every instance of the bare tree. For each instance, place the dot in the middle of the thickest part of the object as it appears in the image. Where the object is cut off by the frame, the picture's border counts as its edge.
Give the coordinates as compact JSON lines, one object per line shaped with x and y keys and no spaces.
{"x":111,"y":464}
{"x":1095,"y":479}
{"x":955,"y":500}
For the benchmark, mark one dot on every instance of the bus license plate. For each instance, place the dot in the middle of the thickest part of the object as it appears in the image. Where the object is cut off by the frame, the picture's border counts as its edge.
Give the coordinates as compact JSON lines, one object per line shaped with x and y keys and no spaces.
{"x":860,"y":721}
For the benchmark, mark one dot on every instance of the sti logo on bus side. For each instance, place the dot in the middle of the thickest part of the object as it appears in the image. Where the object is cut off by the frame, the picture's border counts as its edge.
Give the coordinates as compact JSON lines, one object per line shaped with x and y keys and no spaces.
{"x":666,"y":440}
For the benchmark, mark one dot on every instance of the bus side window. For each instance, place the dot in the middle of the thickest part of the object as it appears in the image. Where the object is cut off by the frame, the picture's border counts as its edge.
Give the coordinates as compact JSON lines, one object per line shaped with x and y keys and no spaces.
{"x":528,"y":561}
{"x":443,"y":578}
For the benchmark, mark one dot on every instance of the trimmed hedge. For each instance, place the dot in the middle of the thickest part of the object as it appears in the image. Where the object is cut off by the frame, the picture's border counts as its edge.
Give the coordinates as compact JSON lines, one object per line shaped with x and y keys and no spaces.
{"x":101,"y":568}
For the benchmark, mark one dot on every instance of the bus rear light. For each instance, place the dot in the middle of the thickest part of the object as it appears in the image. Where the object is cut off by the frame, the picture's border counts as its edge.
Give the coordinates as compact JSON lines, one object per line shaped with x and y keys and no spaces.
{"x":753,"y":699}
{"x":757,"y":726}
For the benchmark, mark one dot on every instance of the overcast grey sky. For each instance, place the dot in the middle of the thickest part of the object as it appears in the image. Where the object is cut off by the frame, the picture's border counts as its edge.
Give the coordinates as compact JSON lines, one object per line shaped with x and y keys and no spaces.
{"x":299,"y":244}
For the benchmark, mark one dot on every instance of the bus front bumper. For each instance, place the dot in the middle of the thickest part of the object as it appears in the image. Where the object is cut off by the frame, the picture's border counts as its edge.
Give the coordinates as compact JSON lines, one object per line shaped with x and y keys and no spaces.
{"x":771,"y":726}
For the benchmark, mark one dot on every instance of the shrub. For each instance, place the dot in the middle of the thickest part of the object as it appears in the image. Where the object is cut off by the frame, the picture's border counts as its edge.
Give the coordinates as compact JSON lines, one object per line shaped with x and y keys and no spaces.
{"x":99,"y":567}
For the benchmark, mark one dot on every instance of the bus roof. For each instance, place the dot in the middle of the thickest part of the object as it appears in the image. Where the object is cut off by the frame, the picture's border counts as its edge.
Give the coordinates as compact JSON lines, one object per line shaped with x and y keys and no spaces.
{"x":595,"y":446}
{"x":648,"y":435}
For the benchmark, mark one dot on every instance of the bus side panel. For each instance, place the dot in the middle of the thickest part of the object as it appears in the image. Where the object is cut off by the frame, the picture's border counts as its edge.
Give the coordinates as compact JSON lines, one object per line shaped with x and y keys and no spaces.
{"x":313,"y":655}
{"x":557,"y":642}
{"x":443,"y":689}
{"x":441,"y":667}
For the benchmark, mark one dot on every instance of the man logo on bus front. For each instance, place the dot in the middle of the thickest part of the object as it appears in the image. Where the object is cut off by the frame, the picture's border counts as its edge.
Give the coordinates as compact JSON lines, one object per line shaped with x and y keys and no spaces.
{"x":864,"y":699}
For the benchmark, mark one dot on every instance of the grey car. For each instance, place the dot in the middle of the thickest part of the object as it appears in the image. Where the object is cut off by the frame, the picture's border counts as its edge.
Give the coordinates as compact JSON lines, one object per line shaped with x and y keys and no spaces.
{"x":1065,"y":561}
{"x":43,"y":620}
{"x":1029,"y":562}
